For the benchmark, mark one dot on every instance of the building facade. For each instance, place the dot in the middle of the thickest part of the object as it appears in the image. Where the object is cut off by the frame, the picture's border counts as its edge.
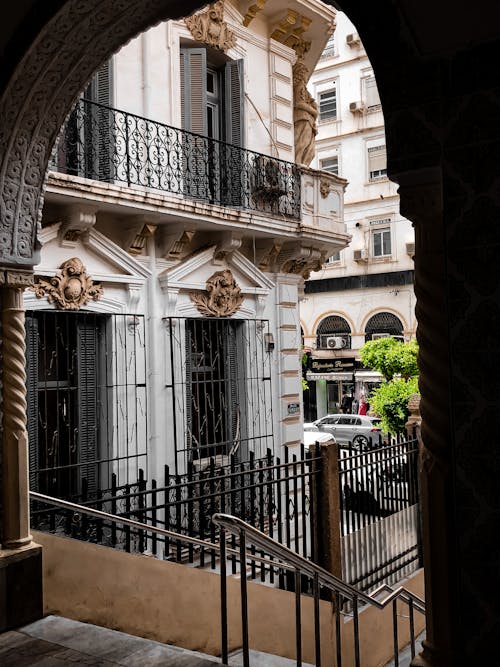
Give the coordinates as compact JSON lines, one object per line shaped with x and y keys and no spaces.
{"x":177,"y":230}
{"x":364,"y":291}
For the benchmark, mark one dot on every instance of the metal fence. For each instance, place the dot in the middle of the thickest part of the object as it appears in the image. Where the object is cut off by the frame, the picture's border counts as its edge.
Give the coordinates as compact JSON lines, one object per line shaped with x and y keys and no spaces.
{"x":110,"y":145}
{"x":272,"y":494}
{"x":379,"y":500}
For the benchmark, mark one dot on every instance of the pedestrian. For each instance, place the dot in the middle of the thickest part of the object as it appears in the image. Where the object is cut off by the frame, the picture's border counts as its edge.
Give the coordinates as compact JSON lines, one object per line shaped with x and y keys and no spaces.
{"x":363,"y":405}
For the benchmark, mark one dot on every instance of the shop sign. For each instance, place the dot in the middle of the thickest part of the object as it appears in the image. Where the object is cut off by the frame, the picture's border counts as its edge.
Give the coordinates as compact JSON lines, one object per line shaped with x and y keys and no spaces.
{"x":332,"y":365}
{"x":293,"y":408}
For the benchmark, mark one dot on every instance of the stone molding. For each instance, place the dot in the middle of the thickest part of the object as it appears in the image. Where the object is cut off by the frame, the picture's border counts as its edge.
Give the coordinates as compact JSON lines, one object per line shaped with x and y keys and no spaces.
{"x":222,"y":297}
{"x":209,"y":27}
{"x":71,"y":288}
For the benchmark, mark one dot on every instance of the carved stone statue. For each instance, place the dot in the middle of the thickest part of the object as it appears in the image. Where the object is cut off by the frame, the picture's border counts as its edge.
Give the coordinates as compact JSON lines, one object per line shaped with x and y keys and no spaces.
{"x":305,"y":115}
{"x":222,"y":297}
{"x":71,"y":287}
{"x":210,"y":28}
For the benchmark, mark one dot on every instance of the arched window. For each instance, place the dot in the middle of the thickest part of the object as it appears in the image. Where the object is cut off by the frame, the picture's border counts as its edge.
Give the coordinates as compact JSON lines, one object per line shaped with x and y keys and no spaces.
{"x":383,"y":325}
{"x":334,"y":333}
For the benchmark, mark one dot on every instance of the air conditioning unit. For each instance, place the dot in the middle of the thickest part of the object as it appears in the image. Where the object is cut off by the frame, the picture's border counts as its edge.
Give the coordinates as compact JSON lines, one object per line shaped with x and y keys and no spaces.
{"x":361,"y":255}
{"x":353,"y":39}
{"x":410,"y":249}
{"x":334,"y":342}
{"x":377,"y":336}
{"x":357,"y":107}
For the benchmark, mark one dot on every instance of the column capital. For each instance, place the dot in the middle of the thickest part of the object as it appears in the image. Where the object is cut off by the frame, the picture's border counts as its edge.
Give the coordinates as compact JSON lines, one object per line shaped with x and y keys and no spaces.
{"x":16,"y":278}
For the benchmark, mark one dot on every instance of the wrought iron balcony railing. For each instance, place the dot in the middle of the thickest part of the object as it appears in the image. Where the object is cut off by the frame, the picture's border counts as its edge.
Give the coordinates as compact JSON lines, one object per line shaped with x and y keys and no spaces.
{"x":110,"y":145}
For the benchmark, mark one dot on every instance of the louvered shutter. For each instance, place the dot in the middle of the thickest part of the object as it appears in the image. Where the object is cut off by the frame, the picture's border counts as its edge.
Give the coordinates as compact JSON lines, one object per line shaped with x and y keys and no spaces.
{"x":233,"y":171}
{"x":99,"y":124}
{"x":87,"y":403}
{"x":194,"y":119}
{"x":32,"y":397}
{"x":233,"y":93}
{"x":372,"y":96}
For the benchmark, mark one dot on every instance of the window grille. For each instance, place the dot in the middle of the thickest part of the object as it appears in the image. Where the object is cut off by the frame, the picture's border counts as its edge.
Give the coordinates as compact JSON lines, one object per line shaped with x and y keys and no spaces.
{"x":333,"y":325}
{"x":383,"y":323}
{"x":86,"y":389}
{"x":219,"y":399}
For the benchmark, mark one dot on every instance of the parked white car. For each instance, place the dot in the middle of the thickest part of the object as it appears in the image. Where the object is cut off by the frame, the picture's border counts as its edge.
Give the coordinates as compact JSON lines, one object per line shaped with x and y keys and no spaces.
{"x":311,"y":437}
{"x":357,"y":429}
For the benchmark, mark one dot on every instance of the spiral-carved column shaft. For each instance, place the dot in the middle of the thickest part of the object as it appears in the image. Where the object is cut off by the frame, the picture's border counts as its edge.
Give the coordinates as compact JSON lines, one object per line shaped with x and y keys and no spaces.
{"x":422,"y":203}
{"x":15,"y":523}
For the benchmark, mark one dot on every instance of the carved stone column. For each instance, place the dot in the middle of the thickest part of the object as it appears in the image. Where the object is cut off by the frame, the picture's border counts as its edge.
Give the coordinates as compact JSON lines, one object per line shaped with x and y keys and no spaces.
{"x":15,"y":524}
{"x":21,"y":591}
{"x":421,"y":202}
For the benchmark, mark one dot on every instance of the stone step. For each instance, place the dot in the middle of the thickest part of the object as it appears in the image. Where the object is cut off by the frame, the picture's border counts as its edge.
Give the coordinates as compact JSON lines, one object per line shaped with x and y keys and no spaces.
{"x":60,"y":642}
{"x":259,"y":659}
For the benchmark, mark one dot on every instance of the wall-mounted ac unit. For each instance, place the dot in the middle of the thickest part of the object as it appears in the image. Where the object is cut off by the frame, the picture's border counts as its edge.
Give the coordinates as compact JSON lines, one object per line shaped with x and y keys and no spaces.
{"x":357,"y":107}
{"x":334,"y":342}
{"x":377,"y":336}
{"x":361,"y":255}
{"x":410,"y":249}
{"x":353,"y":39}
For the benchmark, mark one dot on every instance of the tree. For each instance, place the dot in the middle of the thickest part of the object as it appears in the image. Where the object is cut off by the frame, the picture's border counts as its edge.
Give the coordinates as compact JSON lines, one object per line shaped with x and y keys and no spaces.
{"x":390,"y":402}
{"x":391,"y":357}
{"x":397,"y":362}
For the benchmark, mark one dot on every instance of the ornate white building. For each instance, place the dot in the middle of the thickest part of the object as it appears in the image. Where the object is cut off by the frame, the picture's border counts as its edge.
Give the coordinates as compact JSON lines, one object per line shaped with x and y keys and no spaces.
{"x":177,"y":232}
{"x":365,"y":290}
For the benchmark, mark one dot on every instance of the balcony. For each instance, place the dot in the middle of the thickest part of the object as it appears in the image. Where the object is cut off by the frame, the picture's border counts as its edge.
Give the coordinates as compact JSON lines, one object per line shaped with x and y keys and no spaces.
{"x":113,"y":146}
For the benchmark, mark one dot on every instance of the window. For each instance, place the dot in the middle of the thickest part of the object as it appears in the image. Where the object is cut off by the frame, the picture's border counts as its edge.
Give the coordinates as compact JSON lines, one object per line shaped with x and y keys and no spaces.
{"x":381,"y":243}
{"x":328,"y":105}
{"x":383,"y":323}
{"x":333,"y":258}
{"x":329,"y":49}
{"x":336,"y":326}
{"x":377,"y":162}
{"x":330,"y":164}
{"x":371,"y":97}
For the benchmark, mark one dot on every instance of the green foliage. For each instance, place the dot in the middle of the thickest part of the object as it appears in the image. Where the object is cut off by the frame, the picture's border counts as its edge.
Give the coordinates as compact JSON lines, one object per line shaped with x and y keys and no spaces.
{"x":390,"y":403}
{"x":391,"y":357}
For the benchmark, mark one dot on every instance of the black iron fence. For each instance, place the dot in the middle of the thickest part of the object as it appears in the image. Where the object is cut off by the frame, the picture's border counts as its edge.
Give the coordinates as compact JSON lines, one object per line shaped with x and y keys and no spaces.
{"x":111,"y":145}
{"x":272,"y":494}
{"x":379,"y":501}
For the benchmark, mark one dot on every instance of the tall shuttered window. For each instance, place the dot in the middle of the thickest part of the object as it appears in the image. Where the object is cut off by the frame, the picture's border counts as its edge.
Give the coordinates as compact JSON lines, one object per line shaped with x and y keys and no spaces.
{"x":328,"y":105}
{"x":377,"y":162}
{"x":212,"y":106}
{"x":370,"y":94}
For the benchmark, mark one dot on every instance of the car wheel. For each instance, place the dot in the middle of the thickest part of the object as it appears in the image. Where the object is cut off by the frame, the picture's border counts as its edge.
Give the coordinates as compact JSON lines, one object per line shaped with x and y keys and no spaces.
{"x":360,"y":442}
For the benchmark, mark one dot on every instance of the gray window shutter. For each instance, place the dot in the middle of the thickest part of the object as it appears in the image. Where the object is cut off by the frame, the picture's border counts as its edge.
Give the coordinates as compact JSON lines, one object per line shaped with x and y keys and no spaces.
{"x":194,"y":90}
{"x":87,"y":350}
{"x":32,"y":397}
{"x":234,"y":102}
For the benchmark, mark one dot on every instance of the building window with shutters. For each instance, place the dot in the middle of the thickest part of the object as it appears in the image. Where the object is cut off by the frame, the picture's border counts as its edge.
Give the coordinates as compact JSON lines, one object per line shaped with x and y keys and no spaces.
{"x":327,"y":103}
{"x":370,"y":94}
{"x":212,"y":105}
{"x":86,"y":393}
{"x":377,"y":162}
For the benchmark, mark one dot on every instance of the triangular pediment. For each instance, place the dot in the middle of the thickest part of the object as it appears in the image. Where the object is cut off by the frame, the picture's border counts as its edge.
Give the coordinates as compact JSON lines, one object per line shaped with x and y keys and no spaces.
{"x":103,"y":259}
{"x":193,"y":273}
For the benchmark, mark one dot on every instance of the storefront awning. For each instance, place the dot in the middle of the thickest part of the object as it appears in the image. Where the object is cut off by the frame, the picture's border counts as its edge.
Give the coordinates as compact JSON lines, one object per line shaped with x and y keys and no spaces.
{"x":368,"y":376}
{"x":331,"y":377}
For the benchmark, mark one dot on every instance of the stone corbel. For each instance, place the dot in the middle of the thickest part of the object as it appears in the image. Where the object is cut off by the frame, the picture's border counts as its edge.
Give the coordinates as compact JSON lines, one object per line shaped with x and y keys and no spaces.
{"x":178,"y":245}
{"x":77,"y":222}
{"x":209,"y":27}
{"x":134,"y":295}
{"x":252,"y":12}
{"x":260,"y":304}
{"x":281,"y":30}
{"x":227,"y":244}
{"x":266,"y":257}
{"x":301,"y":260}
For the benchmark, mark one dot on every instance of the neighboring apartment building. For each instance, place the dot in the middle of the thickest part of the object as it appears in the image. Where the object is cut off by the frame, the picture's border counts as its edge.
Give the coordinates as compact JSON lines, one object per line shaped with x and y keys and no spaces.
{"x":366,"y":290}
{"x":177,"y":232}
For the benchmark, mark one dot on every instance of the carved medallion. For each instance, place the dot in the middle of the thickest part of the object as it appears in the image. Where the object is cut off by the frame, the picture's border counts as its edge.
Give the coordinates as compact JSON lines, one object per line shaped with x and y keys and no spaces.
{"x":222,"y":297}
{"x":324,"y":188}
{"x":210,"y":28}
{"x":71,"y":288}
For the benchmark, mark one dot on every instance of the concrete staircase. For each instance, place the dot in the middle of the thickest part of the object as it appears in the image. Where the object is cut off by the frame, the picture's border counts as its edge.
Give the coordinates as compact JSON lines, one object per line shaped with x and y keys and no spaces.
{"x":58,"y":642}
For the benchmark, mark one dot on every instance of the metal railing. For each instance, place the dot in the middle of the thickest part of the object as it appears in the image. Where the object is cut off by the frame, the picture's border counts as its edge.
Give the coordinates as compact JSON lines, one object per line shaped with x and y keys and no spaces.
{"x":111,"y":145}
{"x":275,"y":556}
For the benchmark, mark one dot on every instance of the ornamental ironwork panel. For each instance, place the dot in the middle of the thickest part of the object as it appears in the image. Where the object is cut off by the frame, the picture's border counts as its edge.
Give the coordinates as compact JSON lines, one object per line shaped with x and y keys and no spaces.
{"x":111,"y":145}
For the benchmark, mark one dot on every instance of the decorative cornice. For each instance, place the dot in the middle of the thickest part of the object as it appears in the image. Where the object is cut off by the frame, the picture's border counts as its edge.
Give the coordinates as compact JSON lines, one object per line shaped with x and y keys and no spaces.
{"x":210,"y":28}
{"x":222,"y":297}
{"x":71,"y":288}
